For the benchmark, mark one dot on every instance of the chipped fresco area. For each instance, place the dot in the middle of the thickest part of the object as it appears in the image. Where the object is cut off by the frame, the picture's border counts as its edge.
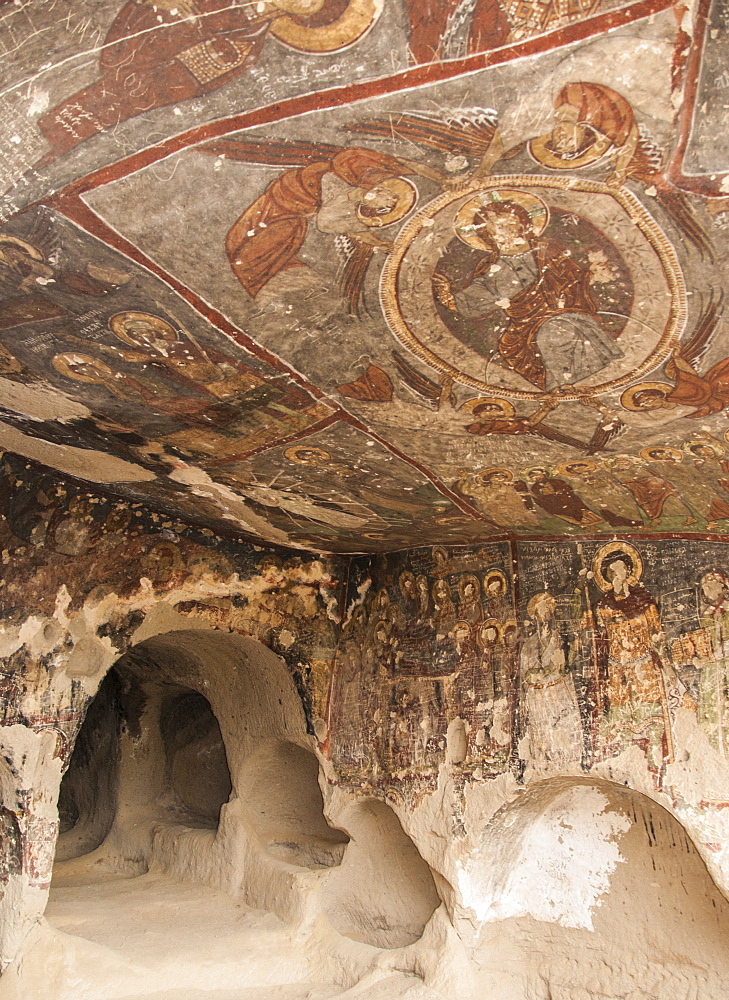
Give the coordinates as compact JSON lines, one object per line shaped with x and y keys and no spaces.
{"x":564,"y":373}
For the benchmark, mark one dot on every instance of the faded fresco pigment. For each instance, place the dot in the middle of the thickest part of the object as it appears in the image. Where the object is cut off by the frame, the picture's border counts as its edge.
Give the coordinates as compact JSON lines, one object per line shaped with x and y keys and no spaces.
{"x":364,"y":499}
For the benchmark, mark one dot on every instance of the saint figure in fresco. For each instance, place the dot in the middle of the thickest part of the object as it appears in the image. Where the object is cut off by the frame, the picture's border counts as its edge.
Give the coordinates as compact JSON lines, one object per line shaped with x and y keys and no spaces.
{"x":593,"y":124}
{"x":657,"y":497}
{"x":469,"y":599}
{"x":160,"y":52}
{"x":707,"y":394}
{"x":632,"y":673}
{"x":531,"y":295}
{"x":502,"y":498}
{"x":558,"y":499}
{"x":695,"y":480}
{"x":444,"y":611}
{"x":349,"y":192}
{"x":604,"y":494}
{"x":551,"y":718}
{"x":154,"y":343}
{"x":713,"y":706}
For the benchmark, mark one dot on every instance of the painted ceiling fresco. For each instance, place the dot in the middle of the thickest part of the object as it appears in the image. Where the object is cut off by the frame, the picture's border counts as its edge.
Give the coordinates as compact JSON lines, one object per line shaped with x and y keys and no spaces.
{"x":360,"y":274}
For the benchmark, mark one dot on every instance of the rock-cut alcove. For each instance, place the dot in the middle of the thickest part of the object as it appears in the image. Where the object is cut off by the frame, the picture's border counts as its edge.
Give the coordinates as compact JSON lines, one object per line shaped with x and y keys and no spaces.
{"x":587,"y":888}
{"x":192,"y":815}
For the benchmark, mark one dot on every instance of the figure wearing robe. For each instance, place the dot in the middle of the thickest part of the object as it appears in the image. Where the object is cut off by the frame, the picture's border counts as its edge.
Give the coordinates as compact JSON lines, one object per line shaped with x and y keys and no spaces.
{"x":631,"y":676}
{"x":267,"y":237}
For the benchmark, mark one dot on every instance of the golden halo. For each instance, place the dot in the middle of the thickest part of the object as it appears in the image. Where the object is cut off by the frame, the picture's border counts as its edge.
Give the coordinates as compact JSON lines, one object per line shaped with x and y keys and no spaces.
{"x":539,"y":150}
{"x":607,"y":550}
{"x":405,"y":576}
{"x":118,"y":325}
{"x":713,"y":446}
{"x":645,"y":453}
{"x":64,"y":363}
{"x":533,"y":601}
{"x":406,"y":194}
{"x":462,"y":623}
{"x":32,"y":251}
{"x":566,"y":466}
{"x":627,"y":400}
{"x":468,"y":578}
{"x":495,"y":574}
{"x":355,"y":21}
{"x":305,"y":455}
{"x":489,"y":623}
{"x":468,"y":232}
{"x":504,"y":405}
{"x":485,"y":473}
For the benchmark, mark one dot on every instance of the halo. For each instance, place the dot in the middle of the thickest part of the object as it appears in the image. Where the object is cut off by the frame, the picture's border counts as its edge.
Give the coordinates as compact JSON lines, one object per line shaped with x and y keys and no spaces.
{"x":468,"y":232}
{"x":481,"y":476}
{"x":34,"y":252}
{"x":645,"y":453}
{"x":627,"y":400}
{"x":493,"y":574}
{"x":489,"y":623}
{"x":354,"y":22}
{"x":539,"y":150}
{"x":405,"y":575}
{"x":406,"y":194}
{"x":504,"y":405}
{"x":532,"y":602}
{"x":462,"y":623}
{"x":118,"y":325}
{"x":566,"y":466}
{"x":297,"y":455}
{"x":713,"y":446}
{"x":63,"y":363}
{"x":468,"y":578}
{"x":607,"y":550}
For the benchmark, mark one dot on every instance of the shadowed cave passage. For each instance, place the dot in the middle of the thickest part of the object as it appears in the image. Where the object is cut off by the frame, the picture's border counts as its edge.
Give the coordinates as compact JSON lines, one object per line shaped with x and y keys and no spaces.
{"x":195,"y":836}
{"x":154,"y":752}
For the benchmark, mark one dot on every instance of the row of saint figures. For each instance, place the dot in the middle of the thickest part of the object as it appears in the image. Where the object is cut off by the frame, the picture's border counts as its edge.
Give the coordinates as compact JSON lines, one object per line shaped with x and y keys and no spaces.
{"x":575,"y":681}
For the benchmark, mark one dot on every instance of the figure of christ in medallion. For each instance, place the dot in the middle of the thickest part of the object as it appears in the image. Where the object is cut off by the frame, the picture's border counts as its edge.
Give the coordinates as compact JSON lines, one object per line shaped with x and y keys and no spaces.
{"x":525,"y":299}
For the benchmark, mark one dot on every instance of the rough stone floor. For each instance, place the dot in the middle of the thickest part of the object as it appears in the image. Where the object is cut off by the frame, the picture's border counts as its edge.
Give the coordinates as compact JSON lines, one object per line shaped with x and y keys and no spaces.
{"x":150,"y":937}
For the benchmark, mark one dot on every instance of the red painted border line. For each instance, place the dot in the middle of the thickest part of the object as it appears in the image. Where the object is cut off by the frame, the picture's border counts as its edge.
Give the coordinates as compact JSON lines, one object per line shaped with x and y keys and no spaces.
{"x":455,"y":499}
{"x":335,"y":97}
{"x":708,"y":185}
{"x":318,"y":425}
{"x":79,"y":212}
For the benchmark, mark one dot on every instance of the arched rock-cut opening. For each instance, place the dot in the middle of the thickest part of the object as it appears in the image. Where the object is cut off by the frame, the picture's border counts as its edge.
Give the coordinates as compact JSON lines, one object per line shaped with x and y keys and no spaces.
{"x":590,"y":886}
{"x":196,"y":768}
{"x":193,"y":773}
{"x":88,"y":793}
{"x":384,"y":894}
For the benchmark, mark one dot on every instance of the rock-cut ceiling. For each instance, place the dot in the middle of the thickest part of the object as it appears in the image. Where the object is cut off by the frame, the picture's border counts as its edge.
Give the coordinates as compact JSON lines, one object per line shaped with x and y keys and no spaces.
{"x":357,"y":274}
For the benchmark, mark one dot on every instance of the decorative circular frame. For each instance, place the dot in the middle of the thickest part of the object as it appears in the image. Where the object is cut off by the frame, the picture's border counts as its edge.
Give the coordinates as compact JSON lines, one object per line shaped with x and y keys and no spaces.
{"x":638,"y":215}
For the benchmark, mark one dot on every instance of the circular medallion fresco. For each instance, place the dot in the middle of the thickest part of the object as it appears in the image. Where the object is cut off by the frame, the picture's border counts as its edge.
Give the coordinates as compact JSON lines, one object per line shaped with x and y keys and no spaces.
{"x":531,"y":287}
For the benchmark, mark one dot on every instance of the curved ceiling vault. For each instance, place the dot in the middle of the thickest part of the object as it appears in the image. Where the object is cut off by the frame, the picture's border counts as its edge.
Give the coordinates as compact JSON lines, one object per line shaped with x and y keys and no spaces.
{"x":358,"y":274}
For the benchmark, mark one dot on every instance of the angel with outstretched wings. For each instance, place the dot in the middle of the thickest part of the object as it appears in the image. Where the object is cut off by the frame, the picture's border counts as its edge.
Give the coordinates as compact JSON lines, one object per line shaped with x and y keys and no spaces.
{"x":350,"y":192}
{"x":594,"y":124}
{"x":708,"y":393}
